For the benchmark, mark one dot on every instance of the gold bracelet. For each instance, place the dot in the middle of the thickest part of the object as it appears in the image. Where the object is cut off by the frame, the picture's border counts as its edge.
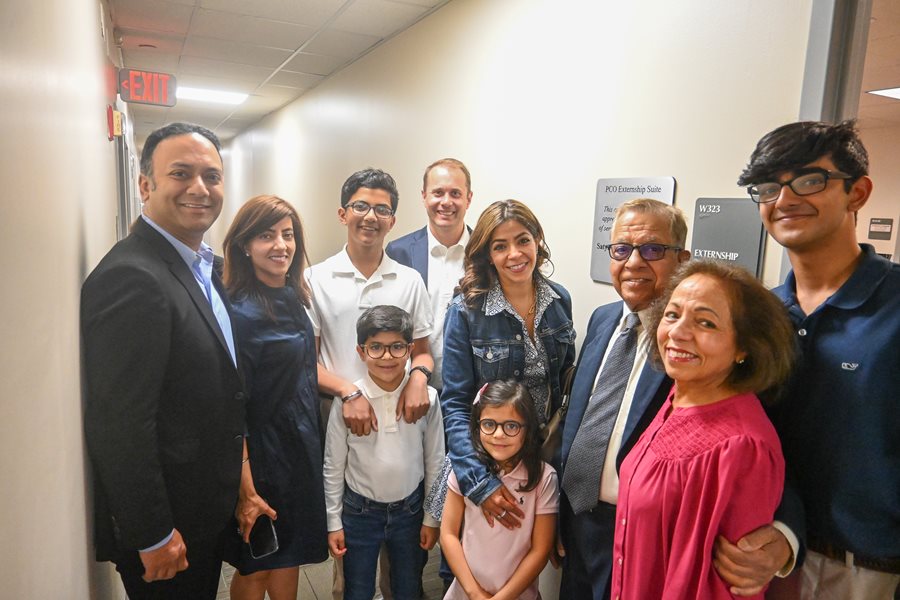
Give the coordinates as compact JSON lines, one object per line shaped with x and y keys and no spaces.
{"x":245,"y":459}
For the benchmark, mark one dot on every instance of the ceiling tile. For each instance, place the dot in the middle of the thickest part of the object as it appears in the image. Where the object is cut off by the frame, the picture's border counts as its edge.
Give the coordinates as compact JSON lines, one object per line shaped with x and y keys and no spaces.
{"x":150,"y":60}
{"x":379,"y":18}
{"x":251,"y":30}
{"x":316,"y":64}
{"x":344,"y":44}
{"x":236,"y":52}
{"x":426,"y":3}
{"x":155,"y":16}
{"x":312,"y":13}
{"x":194,"y":65}
{"x":295,"y":80}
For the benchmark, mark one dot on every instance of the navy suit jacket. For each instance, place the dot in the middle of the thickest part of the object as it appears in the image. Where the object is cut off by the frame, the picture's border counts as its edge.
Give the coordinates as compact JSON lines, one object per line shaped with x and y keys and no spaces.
{"x":411,"y":250}
{"x":652,"y":389}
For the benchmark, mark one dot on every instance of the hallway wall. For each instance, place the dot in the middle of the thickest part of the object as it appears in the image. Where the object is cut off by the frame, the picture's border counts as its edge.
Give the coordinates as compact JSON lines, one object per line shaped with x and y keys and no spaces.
{"x":539,"y":99}
{"x":58,"y":217}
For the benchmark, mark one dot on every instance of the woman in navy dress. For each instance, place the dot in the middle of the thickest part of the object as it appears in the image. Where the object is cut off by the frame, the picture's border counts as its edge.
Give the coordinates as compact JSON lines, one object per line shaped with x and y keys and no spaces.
{"x":282,"y":471}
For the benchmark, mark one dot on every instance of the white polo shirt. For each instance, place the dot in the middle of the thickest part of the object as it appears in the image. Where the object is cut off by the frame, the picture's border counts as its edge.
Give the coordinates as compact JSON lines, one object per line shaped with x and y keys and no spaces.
{"x":445,"y":269}
{"x":386,"y":465}
{"x":340,"y":294}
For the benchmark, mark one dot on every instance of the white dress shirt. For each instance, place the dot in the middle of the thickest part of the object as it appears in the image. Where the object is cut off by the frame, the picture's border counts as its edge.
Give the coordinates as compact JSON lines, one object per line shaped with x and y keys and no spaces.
{"x":445,"y":269}
{"x":389,"y":464}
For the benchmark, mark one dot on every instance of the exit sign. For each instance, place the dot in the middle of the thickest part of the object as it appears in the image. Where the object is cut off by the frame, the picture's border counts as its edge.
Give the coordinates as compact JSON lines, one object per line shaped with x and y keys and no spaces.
{"x":147,"y":87}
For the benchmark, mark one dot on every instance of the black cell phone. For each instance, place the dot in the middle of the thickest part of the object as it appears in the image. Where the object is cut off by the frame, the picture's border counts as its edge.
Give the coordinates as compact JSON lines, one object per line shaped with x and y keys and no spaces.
{"x":263,"y":539}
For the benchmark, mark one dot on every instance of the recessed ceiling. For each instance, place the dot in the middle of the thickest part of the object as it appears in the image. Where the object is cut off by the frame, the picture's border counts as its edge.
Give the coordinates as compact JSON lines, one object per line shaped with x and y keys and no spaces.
{"x":273,"y":50}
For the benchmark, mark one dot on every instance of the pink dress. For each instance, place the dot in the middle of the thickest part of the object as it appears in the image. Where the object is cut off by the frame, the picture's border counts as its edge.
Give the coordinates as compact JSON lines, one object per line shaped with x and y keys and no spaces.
{"x":694,"y":474}
{"x":494,"y":553}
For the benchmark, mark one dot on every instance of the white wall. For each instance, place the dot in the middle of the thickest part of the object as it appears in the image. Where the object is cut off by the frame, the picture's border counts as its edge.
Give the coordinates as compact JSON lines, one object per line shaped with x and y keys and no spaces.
{"x":882,"y":144}
{"x":540,"y":99}
{"x":57,"y":214}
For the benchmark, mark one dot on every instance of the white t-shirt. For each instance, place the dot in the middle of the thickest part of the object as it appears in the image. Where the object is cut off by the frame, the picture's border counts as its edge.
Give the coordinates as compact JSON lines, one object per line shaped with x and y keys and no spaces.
{"x":340,"y":294}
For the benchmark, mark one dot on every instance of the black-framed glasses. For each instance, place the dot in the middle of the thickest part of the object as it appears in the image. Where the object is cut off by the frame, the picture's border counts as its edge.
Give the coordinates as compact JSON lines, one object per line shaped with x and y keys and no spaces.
{"x":510,"y":428}
{"x":648,"y":252}
{"x":377,"y":349}
{"x":810,"y":181}
{"x":362,"y":208}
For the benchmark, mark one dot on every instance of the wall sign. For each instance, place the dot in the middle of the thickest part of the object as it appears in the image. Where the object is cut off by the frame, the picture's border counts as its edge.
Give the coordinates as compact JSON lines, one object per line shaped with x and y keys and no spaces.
{"x":880,"y":228}
{"x":611,"y":193}
{"x":728,"y":229}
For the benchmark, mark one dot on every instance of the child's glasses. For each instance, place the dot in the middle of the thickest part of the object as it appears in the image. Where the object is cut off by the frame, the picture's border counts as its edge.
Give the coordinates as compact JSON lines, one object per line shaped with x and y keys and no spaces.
{"x":510,"y":428}
{"x":377,"y":350}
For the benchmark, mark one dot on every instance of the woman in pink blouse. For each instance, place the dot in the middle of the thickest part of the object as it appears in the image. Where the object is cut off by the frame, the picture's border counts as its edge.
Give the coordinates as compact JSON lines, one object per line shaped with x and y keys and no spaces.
{"x":710,"y":463}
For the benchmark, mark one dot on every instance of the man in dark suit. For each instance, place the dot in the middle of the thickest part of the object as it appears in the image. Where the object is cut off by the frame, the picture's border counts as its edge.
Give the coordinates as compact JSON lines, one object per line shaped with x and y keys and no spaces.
{"x":650,"y":235}
{"x":164,"y":404}
{"x":437,"y":250}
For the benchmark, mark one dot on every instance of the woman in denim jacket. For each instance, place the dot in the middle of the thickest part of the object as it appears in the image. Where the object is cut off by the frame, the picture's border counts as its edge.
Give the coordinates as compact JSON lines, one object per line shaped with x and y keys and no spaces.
{"x":508,"y":322}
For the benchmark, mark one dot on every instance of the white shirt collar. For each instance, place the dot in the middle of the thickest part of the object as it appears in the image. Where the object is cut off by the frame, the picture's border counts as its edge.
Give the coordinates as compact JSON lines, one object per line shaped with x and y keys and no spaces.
{"x":436,"y":248}
{"x":342,"y":265}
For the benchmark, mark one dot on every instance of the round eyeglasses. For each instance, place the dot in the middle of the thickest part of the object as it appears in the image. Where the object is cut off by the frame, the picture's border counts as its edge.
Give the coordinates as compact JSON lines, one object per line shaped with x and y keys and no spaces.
{"x":377,"y":350}
{"x":510,"y":428}
{"x":362,"y":208}
{"x":649,"y":252}
{"x":809,"y":181}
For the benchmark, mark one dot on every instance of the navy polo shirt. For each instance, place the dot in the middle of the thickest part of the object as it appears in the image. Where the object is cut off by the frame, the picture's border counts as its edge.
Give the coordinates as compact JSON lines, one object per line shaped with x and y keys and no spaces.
{"x":840,"y":421}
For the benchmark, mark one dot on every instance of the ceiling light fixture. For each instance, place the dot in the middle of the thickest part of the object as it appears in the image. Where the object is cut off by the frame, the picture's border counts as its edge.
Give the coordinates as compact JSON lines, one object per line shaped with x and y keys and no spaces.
{"x":888,"y":92}
{"x":201,"y":95}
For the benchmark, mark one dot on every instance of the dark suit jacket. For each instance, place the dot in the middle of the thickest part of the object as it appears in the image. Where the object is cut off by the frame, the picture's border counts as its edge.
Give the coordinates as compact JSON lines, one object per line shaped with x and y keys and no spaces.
{"x":411,"y":250}
{"x":164,"y":413}
{"x":652,"y":389}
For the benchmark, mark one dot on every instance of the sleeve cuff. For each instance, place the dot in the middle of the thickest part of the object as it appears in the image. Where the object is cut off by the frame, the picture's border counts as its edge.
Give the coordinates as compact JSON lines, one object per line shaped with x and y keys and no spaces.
{"x":159,"y":544}
{"x":795,"y":548}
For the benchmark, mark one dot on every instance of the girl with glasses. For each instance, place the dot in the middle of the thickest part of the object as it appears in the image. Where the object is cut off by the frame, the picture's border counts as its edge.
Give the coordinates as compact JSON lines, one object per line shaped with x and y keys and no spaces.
{"x":489,"y":560}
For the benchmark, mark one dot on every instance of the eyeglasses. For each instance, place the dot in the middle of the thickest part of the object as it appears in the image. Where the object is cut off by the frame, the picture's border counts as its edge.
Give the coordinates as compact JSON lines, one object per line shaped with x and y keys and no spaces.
{"x":648,"y":252}
{"x":810,"y":181}
{"x":510,"y":428}
{"x":362,"y":208}
{"x":377,"y":350}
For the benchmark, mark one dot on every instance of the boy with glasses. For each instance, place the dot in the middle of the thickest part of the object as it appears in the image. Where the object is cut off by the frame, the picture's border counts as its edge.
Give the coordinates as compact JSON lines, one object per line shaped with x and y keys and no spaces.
{"x":375,"y":484}
{"x":839,"y":419}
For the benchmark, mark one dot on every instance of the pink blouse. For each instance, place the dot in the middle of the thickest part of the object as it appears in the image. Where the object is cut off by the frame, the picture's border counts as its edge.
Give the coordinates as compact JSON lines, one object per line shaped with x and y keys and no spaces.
{"x":694,"y":474}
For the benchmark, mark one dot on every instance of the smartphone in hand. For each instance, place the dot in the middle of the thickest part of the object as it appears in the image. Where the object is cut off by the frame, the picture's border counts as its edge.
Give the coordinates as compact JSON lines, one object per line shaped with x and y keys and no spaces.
{"x":263,"y":539}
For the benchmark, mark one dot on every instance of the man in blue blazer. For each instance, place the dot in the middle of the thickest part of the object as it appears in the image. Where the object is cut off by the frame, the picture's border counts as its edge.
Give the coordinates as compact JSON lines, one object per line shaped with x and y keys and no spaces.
{"x":437,"y":250}
{"x":648,"y":238}
{"x":164,"y":406}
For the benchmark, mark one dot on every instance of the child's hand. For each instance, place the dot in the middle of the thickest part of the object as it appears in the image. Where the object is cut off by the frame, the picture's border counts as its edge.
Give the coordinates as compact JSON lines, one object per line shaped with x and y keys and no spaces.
{"x":336,"y":543}
{"x":428,"y":537}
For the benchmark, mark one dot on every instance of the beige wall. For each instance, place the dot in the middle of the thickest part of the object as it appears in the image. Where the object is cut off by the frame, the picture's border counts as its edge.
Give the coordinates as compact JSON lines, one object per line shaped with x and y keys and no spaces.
{"x":882,"y":144}
{"x":57,"y":215}
{"x":540,"y":99}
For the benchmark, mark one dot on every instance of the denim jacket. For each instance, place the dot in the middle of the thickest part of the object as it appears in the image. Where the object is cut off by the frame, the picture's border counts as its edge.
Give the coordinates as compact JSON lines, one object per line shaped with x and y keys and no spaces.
{"x":479,"y":348}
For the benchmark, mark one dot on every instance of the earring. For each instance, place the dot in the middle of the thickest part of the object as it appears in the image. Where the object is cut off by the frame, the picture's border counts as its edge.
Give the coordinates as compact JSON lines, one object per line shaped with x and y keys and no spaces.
{"x":741,"y":361}
{"x":246,"y":254}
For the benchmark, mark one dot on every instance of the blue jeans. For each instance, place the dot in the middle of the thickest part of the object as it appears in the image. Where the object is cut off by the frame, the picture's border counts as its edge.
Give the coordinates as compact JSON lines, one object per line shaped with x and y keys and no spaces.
{"x":368,"y":524}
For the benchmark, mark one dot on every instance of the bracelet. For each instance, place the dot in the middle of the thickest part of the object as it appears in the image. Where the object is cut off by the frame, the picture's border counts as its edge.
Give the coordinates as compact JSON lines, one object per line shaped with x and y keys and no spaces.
{"x":246,"y":459}
{"x":351,"y":396}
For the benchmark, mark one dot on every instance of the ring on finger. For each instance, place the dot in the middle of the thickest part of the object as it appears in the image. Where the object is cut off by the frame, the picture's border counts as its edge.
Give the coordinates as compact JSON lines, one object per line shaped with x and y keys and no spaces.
{"x":503,"y":514}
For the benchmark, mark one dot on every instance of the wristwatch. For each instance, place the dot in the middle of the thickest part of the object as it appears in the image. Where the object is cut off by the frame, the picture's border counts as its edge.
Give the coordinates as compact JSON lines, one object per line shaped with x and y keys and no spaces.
{"x":424,"y":370}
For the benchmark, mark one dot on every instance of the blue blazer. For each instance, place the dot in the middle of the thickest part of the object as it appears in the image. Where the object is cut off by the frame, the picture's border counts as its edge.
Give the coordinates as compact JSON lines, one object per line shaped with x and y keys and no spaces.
{"x":411,"y":250}
{"x":652,"y":389}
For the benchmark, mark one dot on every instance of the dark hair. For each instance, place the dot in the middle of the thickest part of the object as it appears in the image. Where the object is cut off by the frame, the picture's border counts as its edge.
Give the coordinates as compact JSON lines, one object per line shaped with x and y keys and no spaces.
{"x":762,"y":328}
{"x":501,"y":393}
{"x":479,"y":273}
{"x":171,"y":130}
{"x":449,"y":163}
{"x":795,"y":145}
{"x":256,"y":216}
{"x":374,"y":179}
{"x":383,"y":318}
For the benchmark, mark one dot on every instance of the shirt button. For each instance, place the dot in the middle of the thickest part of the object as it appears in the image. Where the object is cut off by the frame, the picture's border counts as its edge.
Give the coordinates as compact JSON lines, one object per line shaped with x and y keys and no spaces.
{"x":516,"y":373}
{"x":490,"y":355}
{"x":802,"y":332}
{"x":623,"y":521}
{"x":518,"y":336}
{"x":620,"y":560}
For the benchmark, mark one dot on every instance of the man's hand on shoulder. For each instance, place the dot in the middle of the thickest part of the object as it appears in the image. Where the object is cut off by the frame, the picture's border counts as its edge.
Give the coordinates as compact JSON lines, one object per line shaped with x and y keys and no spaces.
{"x":166,"y":561}
{"x":359,"y":416}
{"x":753,"y":561}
